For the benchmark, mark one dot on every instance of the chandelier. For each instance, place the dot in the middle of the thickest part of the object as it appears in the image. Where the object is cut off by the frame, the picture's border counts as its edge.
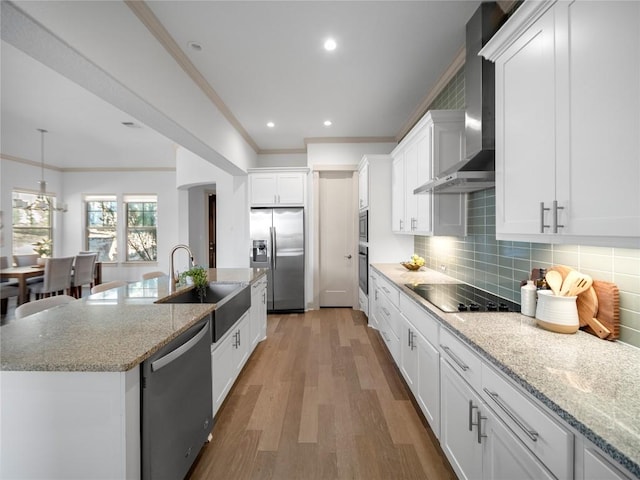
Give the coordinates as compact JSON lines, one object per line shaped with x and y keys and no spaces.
{"x":43,"y":201}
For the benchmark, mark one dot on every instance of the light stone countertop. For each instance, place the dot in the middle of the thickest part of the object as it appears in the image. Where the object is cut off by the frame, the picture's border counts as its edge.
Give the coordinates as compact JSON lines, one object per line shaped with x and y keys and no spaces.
{"x":592,"y":384}
{"x":111,"y":331}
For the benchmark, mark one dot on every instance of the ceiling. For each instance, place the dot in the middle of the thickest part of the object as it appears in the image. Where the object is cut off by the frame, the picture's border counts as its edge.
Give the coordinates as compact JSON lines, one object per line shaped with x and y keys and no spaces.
{"x":266,"y":62}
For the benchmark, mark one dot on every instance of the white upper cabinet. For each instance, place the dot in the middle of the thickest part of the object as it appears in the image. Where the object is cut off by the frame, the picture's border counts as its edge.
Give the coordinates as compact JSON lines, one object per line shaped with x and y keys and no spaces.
{"x":363,"y":185}
{"x":434,"y":144}
{"x":276,"y":188}
{"x":567,"y":123}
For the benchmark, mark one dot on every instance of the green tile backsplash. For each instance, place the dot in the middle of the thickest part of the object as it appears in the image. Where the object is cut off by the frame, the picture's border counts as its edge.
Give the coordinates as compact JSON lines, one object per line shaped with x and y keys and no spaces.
{"x":499,"y":266}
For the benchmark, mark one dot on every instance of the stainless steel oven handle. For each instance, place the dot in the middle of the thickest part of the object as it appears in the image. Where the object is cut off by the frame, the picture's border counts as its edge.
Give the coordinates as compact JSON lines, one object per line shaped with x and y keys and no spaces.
{"x":181,"y":350}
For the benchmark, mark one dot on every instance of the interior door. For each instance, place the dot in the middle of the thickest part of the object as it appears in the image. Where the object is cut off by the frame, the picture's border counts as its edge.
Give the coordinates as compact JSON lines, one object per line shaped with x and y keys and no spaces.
{"x":338,"y":256}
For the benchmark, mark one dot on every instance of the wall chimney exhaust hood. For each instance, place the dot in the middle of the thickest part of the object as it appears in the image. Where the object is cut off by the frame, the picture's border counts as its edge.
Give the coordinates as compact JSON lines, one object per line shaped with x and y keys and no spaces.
{"x":477,"y":171}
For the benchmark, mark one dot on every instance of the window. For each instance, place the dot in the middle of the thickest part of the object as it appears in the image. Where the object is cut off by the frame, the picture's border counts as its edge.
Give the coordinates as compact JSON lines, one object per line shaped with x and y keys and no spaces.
{"x":102,"y":221}
{"x":142,"y":216}
{"x":32,"y":228}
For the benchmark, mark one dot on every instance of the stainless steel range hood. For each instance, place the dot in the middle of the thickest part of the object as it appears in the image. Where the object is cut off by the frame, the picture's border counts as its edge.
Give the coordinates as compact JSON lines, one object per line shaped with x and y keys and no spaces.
{"x":477,"y":171}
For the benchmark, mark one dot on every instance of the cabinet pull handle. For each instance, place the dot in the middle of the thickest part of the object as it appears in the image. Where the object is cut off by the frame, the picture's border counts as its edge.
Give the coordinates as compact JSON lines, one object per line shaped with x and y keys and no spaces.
{"x":401,"y":225}
{"x":409,"y":338}
{"x":555,"y":216}
{"x":542,"y":224}
{"x":386,"y":312}
{"x":385,"y":290}
{"x":455,"y":358}
{"x":472,"y":407}
{"x":532,"y":434}
{"x":479,"y":419}
{"x":413,"y":344}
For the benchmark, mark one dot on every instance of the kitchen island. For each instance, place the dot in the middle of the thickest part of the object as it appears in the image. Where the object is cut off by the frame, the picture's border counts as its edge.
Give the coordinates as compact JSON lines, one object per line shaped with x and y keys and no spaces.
{"x":590,"y":384}
{"x":70,"y":379}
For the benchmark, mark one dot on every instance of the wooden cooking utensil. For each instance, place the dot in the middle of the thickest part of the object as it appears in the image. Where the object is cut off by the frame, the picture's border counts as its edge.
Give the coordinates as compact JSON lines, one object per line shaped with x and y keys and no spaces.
{"x":599,"y":329}
{"x":568,"y":282}
{"x":554,"y":280}
{"x":580,"y":284}
{"x":563,"y":269}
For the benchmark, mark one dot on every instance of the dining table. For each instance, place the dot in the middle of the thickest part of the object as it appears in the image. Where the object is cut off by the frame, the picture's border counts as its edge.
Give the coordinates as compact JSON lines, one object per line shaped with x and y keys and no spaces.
{"x":22,"y":274}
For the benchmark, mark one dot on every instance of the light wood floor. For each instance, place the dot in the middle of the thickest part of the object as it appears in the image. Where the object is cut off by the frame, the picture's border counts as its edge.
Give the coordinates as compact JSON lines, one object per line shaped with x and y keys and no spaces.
{"x":320,"y":398}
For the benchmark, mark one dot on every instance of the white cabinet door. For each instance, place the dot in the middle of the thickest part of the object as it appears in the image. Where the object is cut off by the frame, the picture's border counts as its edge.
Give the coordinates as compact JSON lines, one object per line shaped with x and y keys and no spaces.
{"x":291,"y":188}
{"x":597,"y":468}
{"x":458,"y":429}
{"x":598,"y":160}
{"x":363,"y":186}
{"x":428,"y":391}
{"x":263,"y":188}
{"x":397,"y":194}
{"x":242,"y":344}
{"x":257,"y":312}
{"x":526,"y":131}
{"x":408,"y":354}
{"x":410,"y":182}
{"x":223,"y":371}
{"x":505,"y":457}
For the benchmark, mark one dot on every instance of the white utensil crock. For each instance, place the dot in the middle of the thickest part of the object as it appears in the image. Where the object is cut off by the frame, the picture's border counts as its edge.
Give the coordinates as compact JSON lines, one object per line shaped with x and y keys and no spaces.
{"x":557,"y":313}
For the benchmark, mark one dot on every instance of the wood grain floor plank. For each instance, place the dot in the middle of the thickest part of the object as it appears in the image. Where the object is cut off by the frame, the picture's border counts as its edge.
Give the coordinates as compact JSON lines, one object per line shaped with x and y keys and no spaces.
{"x":320,"y":399}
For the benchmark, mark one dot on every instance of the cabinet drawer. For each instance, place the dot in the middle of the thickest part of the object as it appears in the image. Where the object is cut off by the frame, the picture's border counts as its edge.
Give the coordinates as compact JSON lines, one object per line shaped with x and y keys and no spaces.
{"x":390,"y":291}
{"x":392,"y":342}
{"x":390,"y":315}
{"x":548,"y":441}
{"x":422,"y":321}
{"x":364,"y":302}
{"x":461,"y":358}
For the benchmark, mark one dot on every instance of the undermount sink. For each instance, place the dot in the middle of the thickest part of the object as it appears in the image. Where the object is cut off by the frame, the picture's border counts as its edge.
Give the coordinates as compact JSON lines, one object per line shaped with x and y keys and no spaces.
{"x":231,"y":299}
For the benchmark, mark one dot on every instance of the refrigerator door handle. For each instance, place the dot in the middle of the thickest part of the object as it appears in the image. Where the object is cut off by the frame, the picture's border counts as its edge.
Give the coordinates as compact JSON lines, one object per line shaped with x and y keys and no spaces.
{"x":274,"y":246}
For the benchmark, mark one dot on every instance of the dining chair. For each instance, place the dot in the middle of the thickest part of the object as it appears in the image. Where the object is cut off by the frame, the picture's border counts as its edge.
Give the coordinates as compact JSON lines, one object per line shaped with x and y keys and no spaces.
{"x":108,"y":286}
{"x":57,"y":277}
{"x":26,"y":260}
{"x":36,"y":306}
{"x":83,"y":273}
{"x":150,"y":275}
{"x":7,"y":291}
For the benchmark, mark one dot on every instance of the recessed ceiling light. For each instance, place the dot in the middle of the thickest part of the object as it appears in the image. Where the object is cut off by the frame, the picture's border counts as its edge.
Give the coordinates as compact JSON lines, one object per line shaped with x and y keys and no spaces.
{"x":330,"y":44}
{"x":194,"y":46}
{"x":271,"y":124}
{"x":328,"y":123}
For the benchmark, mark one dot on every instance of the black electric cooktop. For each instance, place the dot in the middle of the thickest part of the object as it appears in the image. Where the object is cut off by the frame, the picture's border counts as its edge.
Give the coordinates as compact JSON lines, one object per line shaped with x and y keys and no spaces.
{"x":460,"y":297}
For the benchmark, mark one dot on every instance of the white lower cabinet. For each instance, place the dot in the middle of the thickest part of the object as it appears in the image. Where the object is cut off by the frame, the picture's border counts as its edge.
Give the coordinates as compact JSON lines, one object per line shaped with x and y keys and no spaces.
{"x":428,"y":388}
{"x":374,"y":293}
{"x":598,"y":468}
{"x":258,"y":311}
{"x":476,"y":442}
{"x":228,"y":356}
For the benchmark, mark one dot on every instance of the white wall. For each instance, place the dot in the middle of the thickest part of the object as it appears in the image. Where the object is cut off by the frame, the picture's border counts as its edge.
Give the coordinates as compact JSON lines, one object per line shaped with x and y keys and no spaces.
{"x":343,"y":153}
{"x":160,"y":183}
{"x":17,"y":175}
{"x":281,"y":160}
{"x":232,"y":242}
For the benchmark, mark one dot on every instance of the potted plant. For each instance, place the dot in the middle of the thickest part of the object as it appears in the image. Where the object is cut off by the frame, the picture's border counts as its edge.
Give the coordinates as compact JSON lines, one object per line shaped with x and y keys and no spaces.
{"x":42,"y":248}
{"x":198,"y":275}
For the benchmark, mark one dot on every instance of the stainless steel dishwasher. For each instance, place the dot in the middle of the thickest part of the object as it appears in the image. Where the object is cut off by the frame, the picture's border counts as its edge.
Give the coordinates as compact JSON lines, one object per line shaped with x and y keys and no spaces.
{"x":176,"y":404}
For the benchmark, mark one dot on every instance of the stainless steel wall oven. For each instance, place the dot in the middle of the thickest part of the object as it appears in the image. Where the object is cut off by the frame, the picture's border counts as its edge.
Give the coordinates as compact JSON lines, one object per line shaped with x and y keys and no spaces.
{"x":363,"y":230}
{"x":363,"y":268}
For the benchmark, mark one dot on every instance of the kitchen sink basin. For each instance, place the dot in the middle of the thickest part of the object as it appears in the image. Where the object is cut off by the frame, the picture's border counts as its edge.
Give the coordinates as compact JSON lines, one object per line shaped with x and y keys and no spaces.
{"x":231,"y":300}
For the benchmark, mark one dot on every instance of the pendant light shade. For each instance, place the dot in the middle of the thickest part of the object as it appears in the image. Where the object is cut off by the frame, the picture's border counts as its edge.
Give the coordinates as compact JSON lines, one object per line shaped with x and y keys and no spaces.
{"x":43,"y":201}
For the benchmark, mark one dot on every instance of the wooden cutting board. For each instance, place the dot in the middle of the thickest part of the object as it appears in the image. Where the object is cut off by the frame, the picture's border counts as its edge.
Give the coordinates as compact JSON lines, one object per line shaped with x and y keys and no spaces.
{"x":587,"y":304}
{"x":608,"y":307}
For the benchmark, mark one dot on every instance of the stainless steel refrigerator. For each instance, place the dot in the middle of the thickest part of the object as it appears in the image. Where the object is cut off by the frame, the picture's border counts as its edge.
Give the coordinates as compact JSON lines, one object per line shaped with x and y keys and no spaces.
{"x":277,"y":243}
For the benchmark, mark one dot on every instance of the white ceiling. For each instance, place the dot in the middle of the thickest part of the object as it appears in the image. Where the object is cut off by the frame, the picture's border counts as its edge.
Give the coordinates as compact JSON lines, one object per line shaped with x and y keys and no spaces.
{"x":266,"y":62}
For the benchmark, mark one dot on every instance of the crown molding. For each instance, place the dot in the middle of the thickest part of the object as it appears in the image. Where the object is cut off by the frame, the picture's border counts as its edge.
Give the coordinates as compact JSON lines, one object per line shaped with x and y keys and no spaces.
{"x":310,"y":140}
{"x":282,"y":151}
{"x":452,"y":69}
{"x":148,"y":18}
{"x":24,"y":161}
